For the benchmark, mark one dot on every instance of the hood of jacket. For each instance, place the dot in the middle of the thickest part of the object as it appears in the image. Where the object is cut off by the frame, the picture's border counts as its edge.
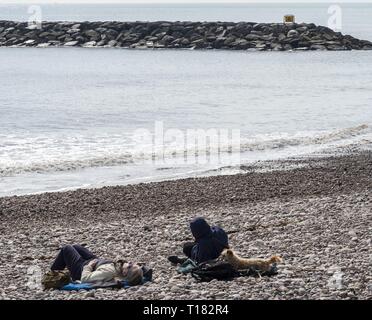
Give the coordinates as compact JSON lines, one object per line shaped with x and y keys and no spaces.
{"x":200,"y":228}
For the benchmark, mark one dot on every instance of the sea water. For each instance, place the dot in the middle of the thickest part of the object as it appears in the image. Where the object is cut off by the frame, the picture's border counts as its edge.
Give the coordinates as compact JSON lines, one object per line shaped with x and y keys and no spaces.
{"x":70,"y":117}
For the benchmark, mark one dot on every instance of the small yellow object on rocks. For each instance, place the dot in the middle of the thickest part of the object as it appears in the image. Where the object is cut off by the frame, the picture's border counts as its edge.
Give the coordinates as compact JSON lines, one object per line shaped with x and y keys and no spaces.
{"x":289,"y":18}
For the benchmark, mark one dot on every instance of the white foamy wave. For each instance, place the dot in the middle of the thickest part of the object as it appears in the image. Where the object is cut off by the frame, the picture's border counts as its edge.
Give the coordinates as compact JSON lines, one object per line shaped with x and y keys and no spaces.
{"x":43,"y":155}
{"x":51,"y":165}
{"x":275,"y":141}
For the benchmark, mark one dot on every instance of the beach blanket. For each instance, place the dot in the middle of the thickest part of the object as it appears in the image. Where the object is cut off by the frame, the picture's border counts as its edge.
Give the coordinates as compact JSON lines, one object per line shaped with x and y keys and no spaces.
{"x":76,"y":286}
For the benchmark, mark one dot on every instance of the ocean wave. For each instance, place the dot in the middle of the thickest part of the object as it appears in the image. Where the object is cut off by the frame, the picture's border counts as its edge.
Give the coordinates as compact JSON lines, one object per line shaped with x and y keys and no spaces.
{"x":108,"y":155}
{"x":55,"y":165}
{"x":266,"y":142}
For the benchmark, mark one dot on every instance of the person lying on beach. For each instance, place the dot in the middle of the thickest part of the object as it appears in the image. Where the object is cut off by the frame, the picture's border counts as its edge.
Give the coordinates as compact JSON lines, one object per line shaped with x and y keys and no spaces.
{"x":208,"y":245}
{"x":87,"y":267}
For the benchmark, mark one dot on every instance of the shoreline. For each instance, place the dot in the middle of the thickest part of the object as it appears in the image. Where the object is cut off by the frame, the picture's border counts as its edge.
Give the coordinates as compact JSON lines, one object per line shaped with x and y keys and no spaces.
{"x":258,"y":166}
{"x":315,"y":216}
{"x":256,"y":170}
{"x":248,"y":36}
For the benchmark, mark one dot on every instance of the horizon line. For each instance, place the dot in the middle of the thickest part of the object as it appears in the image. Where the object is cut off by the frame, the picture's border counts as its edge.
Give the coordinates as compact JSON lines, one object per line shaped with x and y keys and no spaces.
{"x":192,"y":2}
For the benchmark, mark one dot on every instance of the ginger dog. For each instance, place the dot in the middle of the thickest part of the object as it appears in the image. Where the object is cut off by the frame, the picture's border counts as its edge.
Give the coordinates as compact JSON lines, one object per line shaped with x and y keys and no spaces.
{"x":242,"y":263}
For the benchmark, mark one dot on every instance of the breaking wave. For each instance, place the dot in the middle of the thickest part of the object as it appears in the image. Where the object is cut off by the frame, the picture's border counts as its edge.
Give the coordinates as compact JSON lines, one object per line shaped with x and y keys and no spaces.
{"x":265,"y":142}
{"x":41,"y":156}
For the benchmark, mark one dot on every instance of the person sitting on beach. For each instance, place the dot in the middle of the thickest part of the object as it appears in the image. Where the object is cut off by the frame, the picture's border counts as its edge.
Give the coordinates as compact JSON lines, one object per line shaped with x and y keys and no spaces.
{"x":87,"y":267}
{"x":208,"y":245}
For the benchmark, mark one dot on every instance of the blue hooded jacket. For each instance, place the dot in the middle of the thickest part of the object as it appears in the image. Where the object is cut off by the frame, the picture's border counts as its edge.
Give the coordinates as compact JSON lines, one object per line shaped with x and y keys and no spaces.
{"x":210,"y":241}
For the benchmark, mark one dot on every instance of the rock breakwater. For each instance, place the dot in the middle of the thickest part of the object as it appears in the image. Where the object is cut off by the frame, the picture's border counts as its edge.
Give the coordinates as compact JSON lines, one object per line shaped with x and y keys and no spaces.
{"x":184,"y":35}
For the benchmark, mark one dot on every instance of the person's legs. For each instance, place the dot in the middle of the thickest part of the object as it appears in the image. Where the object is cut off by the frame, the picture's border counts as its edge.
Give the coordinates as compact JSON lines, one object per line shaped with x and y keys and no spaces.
{"x":147,"y":273}
{"x":84,"y":252}
{"x":187,"y":248}
{"x":59,"y":262}
{"x":70,"y":258}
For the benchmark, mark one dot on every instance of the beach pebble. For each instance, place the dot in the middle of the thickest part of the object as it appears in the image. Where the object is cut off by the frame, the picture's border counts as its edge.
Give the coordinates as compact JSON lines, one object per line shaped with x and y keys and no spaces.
{"x":149,"y":222}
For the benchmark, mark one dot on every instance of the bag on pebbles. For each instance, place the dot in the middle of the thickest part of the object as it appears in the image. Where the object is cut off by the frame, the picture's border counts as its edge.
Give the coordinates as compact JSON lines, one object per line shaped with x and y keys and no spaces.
{"x":213,"y":269}
{"x":222,"y":270}
{"x":55,"y":279}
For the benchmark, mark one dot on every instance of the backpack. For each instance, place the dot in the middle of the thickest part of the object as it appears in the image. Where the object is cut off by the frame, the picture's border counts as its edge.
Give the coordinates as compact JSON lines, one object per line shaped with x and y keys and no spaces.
{"x":222,"y":270}
{"x":209,"y":270}
{"x":55,"y":279}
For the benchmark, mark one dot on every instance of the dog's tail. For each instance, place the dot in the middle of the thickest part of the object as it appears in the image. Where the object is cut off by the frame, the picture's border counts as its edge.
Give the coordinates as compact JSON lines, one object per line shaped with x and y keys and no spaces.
{"x":274,"y":259}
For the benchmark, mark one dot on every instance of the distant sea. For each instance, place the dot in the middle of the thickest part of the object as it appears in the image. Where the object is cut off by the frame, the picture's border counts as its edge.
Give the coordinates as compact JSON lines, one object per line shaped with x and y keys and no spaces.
{"x":68,"y":116}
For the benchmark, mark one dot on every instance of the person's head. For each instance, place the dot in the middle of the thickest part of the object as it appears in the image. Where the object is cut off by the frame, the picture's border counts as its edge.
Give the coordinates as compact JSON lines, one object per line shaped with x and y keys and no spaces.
{"x":132,"y":273}
{"x":200,"y":228}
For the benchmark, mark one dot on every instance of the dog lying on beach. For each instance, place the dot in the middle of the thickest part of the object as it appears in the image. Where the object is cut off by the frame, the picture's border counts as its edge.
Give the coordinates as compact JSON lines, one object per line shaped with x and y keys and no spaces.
{"x":239,"y":263}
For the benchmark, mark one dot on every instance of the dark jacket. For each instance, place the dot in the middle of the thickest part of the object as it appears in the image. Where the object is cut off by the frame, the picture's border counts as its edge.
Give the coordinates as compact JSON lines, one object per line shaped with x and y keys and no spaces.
{"x":210,"y":241}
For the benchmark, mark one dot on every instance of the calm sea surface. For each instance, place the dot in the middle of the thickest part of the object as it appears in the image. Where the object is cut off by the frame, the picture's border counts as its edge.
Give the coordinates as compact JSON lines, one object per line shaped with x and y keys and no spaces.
{"x":70,"y":117}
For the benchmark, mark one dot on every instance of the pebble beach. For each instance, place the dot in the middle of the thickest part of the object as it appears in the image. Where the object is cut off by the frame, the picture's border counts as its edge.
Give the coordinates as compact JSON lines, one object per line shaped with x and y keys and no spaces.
{"x":316,"y":215}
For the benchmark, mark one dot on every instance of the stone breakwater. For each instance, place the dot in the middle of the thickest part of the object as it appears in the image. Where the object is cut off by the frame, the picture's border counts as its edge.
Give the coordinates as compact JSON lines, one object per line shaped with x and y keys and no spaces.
{"x":187,"y":35}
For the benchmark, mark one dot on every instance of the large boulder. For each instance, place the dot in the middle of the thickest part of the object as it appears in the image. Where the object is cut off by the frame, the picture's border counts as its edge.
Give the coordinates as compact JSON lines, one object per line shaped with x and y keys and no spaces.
{"x":93,"y":34}
{"x":293,"y":34}
{"x":71,"y":43}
